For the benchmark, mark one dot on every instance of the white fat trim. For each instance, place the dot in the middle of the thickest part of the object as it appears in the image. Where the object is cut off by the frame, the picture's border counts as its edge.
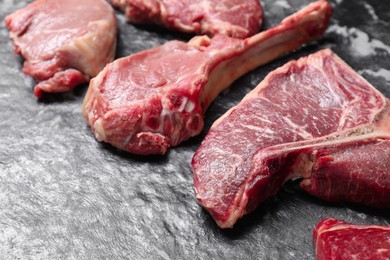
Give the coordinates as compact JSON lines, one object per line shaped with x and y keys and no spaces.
{"x":127,"y":140}
{"x":186,"y":105}
{"x":190,"y":106}
{"x":100,"y":134}
{"x":91,"y":115}
{"x":183,"y":104}
{"x":164,"y":113}
{"x":356,"y":226}
{"x":355,"y":135}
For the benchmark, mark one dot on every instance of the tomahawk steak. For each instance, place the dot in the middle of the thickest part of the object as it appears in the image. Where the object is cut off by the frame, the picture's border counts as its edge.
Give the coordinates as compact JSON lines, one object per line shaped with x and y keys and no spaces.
{"x":149,"y":101}
{"x":315,"y":119}
{"x":64,"y":43}
{"x":235,"y":18}
{"x":335,"y":239}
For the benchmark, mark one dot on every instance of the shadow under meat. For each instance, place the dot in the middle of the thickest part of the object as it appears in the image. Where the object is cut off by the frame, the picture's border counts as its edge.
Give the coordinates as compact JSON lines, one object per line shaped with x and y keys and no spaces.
{"x":77,"y":93}
{"x":153,"y":159}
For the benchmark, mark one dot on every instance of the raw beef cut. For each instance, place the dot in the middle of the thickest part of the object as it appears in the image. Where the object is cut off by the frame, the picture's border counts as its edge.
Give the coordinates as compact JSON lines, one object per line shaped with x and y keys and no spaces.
{"x":335,"y":239}
{"x":149,"y":101}
{"x":235,"y":18}
{"x":64,"y":43}
{"x":315,"y":119}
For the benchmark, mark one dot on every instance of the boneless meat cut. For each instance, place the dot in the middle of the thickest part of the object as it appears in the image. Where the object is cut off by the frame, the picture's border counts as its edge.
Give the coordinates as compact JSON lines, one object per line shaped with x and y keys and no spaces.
{"x":335,"y":239}
{"x":235,"y":18}
{"x":149,"y":101}
{"x":64,"y":43}
{"x":314,"y":119}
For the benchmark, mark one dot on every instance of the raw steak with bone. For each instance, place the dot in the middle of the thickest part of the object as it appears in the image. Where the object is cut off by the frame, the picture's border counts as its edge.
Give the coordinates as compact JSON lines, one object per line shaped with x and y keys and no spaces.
{"x":235,"y":18}
{"x":149,"y":101}
{"x":335,"y":239}
{"x":64,"y":43}
{"x":314,"y":119}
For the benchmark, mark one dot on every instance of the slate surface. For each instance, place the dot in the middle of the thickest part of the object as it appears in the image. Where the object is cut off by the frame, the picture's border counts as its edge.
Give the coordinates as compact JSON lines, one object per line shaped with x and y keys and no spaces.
{"x":65,"y":196}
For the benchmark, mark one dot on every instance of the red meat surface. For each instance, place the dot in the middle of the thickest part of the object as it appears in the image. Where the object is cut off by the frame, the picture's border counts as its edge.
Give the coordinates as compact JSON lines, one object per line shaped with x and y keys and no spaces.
{"x":235,"y":18}
{"x":315,"y":119}
{"x":335,"y":239}
{"x":155,"y":99}
{"x":64,"y":43}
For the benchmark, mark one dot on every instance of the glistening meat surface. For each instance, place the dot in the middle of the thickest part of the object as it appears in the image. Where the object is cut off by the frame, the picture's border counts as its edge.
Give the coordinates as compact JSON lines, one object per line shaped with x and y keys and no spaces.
{"x":312,"y":118}
{"x":335,"y":239}
{"x":149,"y":101}
{"x":64,"y":43}
{"x":235,"y":18}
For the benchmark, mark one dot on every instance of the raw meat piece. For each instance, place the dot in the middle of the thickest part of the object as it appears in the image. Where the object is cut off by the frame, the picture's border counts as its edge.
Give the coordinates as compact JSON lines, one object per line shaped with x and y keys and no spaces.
{"x":335,"y":239}
{"x":315,"y":119}
{"x":367,"y":162}
{"x":149,"y":101}
{"x":235,"y":18}
{"x":64,"y":43}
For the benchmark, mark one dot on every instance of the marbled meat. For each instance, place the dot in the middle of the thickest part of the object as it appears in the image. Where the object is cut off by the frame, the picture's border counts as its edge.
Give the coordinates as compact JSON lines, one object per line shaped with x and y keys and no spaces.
{"x":314,"y":119}
{"x":155,"y":99}
{"x":335,"y":239}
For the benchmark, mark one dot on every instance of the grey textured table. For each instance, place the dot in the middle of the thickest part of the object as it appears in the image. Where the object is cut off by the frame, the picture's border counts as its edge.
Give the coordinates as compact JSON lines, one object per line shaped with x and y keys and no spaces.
{"x":65,"y":196}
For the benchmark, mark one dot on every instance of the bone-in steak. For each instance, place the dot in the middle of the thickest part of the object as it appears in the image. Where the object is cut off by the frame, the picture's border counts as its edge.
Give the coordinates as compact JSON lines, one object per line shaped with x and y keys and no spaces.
{"x":64,"y":43}
{"x":149,"y":101}
{"x":235,"y":18}
{"x":314,"y":118}
{"x":335,"y":239}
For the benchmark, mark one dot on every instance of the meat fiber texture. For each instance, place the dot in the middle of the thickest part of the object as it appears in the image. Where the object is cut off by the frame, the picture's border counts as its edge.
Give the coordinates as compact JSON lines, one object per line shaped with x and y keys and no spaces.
{"x":235,"y":18}
{"x":155,"y":99}
{"x":335,"y":239}
{"x":315,"y":119}
{"x":64,"y":43}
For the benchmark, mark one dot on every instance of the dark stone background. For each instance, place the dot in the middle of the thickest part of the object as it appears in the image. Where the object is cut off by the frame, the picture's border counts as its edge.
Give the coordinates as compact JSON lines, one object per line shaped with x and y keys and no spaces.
{"x":65,"y":196}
